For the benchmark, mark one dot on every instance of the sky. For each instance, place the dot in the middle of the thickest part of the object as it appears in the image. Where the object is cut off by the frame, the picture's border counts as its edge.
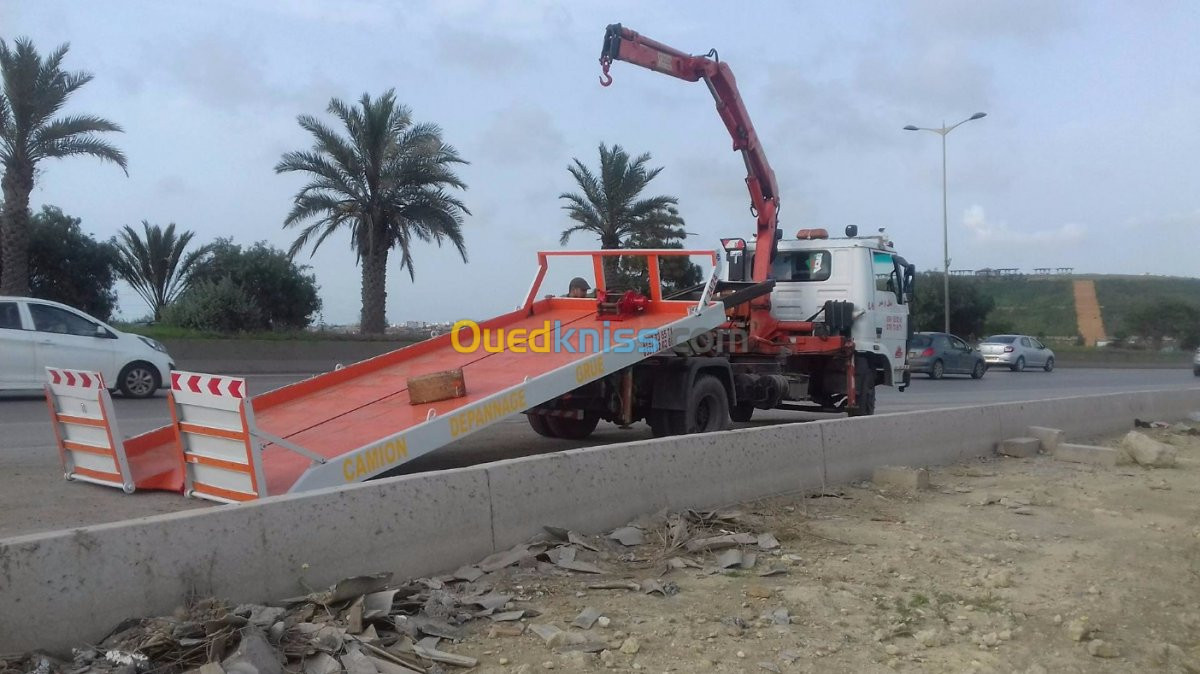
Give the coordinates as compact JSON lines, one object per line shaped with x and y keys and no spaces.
{"x":1087,"y":157}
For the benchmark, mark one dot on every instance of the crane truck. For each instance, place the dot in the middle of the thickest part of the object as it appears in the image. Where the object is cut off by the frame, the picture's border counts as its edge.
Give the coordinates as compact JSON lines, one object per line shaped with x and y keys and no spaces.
{"x":812,"y":323}
{"x":808,"y":322}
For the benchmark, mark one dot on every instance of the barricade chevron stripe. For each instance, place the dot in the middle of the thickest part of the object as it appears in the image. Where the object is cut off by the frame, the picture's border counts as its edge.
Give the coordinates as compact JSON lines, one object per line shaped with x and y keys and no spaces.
{"x":77,"y":378}
{"x":208,"y":384}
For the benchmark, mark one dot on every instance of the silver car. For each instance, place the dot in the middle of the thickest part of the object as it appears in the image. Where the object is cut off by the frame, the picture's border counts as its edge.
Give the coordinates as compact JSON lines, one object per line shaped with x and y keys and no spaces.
{"x":1016,"y":352}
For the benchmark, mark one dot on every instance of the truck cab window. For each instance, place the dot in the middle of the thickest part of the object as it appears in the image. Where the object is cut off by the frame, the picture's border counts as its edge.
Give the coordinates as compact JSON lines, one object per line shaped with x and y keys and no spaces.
{"x":801,"y":265}
{"x":887,"y":275}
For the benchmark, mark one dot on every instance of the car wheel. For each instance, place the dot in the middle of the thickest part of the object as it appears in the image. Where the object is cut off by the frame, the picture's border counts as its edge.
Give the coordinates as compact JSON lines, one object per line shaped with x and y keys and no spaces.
{"x":138,"y":380}
{"x":1196,"y":371}
{"x":1049,"y":367}
{"x":937,"y":370}
{"x":1019,"y":366}
{"x":979,"y":370}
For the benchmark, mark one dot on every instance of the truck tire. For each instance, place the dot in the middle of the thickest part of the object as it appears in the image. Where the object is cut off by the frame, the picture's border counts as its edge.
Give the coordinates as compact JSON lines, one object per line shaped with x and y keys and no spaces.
{"x":573,"y":429}
{"x":665,"y":422}
{"x":708,"y":406}
{"x":865,"y":380}
{"x":741,"y":412}
{"x":538,"y":423}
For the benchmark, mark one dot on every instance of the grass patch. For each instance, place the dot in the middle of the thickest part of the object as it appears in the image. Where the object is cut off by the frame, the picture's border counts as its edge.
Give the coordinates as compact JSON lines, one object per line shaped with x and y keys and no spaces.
{"x":1038,"y":307}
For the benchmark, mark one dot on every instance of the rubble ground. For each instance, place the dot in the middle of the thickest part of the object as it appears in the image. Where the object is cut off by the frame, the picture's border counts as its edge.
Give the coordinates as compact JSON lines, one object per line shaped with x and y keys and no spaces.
{"x":1003,"y":565}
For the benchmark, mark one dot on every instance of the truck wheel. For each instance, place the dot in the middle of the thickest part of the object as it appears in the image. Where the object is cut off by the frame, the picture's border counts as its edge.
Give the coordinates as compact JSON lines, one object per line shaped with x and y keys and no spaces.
{"x":708,"y":406}
{"x":665,"y":422}
{"x":741,"y":412}
{"x":865,"y":375}
{"x":538,"y":423}
{"x":573,"y":429}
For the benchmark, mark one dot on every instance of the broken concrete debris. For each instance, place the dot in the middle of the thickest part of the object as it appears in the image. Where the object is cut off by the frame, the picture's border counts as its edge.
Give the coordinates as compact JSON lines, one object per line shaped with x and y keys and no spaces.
{"x":1020,"y":448}
{"x":1147,"y":451}
{"x":901,"y":477}
{"x":372,"y":625}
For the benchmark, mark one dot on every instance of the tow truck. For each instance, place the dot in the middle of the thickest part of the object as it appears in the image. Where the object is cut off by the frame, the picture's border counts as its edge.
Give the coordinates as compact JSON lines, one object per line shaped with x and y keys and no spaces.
{"x":812,"y":322}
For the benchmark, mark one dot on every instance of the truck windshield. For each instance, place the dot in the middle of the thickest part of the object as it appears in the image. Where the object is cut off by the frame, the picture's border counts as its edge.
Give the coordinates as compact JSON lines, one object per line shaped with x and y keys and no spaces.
{"x":801,"y":265}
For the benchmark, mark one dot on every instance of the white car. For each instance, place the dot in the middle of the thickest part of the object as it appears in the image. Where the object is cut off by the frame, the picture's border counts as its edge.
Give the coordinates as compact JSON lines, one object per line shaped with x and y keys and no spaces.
{"x":36,"y":334}
{"x":1016,"y":352}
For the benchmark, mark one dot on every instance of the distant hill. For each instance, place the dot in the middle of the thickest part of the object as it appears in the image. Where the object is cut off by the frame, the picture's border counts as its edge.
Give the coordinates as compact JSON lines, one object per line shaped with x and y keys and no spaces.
{"x":1046,"y":305}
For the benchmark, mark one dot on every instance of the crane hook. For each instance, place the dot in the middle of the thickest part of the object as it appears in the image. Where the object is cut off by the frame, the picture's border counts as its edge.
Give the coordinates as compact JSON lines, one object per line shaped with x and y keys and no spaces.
{"x":605,"y":79}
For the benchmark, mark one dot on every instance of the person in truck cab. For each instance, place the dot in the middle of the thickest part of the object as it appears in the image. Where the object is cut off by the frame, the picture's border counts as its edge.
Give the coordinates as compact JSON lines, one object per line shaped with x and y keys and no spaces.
{"x":579,"y":287}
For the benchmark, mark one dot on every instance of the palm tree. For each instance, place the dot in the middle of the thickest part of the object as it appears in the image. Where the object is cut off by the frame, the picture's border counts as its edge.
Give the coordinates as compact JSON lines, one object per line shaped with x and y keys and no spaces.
{"x":35,"y":89}
{"x":155,"y":265}
{"x":385,"y":180}
{"x":610,"y":207}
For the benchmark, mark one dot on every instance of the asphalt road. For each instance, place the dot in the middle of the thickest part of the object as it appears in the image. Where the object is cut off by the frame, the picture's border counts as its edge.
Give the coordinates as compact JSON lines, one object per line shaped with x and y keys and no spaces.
{"x":34,"y":496}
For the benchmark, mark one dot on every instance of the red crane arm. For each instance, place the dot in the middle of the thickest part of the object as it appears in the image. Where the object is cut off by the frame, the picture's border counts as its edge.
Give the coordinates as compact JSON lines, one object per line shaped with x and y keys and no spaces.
{"x":622,"y":44}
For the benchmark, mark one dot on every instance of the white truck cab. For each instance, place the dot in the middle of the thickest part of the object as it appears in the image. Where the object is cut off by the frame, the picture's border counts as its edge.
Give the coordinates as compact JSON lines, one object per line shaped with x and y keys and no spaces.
{"x":813,"y":268}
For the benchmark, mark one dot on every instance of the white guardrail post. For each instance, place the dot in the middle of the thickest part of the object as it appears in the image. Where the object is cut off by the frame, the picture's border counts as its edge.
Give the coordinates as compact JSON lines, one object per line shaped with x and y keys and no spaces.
{"x":85,"y":428}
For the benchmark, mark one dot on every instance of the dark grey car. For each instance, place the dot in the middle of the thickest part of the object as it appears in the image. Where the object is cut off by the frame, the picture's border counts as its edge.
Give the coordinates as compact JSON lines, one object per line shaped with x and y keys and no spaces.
{"x":937,"y":354}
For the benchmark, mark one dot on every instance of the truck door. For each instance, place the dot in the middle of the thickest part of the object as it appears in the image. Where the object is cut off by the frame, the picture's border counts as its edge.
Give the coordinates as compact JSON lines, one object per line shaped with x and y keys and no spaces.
{"x":891,"y":326}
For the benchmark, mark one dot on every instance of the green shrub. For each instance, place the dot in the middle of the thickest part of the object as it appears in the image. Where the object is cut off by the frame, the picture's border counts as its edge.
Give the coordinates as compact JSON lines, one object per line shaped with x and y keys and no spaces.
{"x":221,"y":306}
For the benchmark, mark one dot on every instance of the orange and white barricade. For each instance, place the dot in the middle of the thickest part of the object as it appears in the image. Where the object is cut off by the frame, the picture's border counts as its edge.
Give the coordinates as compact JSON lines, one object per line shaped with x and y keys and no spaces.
{"x":89,"y":443}
{"x":212,"y":416}
{"x":218,"y":443}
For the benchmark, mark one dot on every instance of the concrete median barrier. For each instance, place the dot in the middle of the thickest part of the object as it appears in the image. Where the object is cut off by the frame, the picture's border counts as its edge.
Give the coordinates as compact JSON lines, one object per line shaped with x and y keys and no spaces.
{"x":63,"y":588}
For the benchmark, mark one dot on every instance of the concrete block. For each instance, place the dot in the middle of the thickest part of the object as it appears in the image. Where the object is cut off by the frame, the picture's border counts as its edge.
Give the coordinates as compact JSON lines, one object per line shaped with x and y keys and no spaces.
{"x":854,"y":447}
{"x":1021,"y":448}
{"x":92,"y":578}
{"x":1096,"y":456}
{"x":1050,"y":438}
{"x":901,"y":477}
{"x":598,"y":488}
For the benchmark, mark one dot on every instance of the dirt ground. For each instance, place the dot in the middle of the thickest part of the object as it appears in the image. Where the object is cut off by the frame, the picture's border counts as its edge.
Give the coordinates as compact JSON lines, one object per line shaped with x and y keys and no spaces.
{"x":1004,"y":565}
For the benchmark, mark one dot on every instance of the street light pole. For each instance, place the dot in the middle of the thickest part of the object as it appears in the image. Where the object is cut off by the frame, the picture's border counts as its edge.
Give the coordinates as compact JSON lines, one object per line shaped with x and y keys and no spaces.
{"x":943,"y":132}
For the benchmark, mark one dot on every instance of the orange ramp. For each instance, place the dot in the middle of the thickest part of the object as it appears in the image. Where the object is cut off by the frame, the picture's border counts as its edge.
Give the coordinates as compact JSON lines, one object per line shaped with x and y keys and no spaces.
{"x":355,"y":423}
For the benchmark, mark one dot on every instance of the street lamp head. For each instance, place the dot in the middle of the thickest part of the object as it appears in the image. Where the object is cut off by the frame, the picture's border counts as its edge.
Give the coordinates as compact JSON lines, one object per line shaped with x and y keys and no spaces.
{"x":979,"y":115}
{"x":910,"y":127}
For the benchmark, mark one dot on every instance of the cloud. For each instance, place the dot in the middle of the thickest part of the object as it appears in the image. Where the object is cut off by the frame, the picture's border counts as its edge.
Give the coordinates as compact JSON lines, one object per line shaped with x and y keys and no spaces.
{"x":488,"y":55}
{"x":998,"y":232}
{"x":1031,"y":21}
{"x":523,"y":133}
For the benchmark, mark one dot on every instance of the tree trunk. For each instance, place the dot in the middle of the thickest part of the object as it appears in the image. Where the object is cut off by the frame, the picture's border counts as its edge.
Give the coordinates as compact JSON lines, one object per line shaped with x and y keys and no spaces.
{"x":14,"y":231}
{"x":374,"y":291}
{"x":612,"y":274}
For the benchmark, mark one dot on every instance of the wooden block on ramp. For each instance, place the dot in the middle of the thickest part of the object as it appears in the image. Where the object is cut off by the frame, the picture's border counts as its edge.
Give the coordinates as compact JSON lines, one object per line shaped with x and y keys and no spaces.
{"x":430,"y":388}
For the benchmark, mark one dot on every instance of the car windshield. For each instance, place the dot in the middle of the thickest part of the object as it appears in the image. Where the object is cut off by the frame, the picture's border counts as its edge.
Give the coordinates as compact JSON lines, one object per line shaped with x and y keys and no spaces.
{"x":1000,"y":339}
{"x":920,"y":341}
